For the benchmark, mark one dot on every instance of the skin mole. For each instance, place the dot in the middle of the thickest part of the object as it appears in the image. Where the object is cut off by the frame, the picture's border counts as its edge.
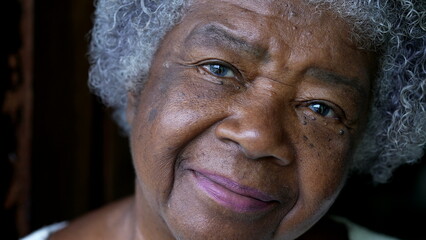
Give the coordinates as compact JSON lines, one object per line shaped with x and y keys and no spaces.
{"x":152,"y":114}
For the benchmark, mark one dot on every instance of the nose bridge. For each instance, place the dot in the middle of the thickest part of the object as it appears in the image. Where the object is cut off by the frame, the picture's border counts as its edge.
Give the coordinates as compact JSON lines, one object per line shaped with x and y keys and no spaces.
{"x":258,"y":126}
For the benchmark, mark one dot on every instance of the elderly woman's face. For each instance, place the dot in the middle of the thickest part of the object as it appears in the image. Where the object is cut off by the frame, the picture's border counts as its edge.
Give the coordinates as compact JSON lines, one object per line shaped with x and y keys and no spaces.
{"x":245,"y":127}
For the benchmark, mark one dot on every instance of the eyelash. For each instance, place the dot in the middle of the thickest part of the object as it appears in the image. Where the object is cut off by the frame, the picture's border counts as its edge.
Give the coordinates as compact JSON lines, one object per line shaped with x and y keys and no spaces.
{"x":219,"y":70}
{"x":211,"y":66}
{"x":335,"y":111}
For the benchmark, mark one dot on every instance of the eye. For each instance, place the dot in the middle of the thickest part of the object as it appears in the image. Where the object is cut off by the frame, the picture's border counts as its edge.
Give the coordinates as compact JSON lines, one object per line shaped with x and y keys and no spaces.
{"x":219,"y":70}
{"x":322,"y":109}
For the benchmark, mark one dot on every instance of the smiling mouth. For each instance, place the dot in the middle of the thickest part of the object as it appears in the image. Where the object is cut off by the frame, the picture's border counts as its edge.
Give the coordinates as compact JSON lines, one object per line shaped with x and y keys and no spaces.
{"x":233,"y":195}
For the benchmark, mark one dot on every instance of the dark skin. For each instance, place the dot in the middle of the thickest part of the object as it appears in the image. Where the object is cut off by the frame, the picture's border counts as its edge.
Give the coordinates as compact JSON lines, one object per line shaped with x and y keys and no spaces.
{"x":241,"y":132}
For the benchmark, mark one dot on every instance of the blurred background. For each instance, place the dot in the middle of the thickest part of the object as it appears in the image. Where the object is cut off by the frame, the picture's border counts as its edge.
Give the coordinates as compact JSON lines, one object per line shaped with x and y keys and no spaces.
{"x":61,"y":155}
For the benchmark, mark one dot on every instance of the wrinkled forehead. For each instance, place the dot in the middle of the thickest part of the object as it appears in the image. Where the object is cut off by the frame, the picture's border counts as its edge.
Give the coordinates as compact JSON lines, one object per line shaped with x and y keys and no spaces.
{"x":282,"y":8}
{"x":296,"y":12}
{"x":296,"y":19}
{"x":360,"y":19}
{"x":302,"y":15}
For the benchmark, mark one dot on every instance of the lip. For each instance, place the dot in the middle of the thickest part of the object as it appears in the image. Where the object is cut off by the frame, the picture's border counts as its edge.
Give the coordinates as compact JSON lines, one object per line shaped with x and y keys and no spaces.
{"x":233,"y":195}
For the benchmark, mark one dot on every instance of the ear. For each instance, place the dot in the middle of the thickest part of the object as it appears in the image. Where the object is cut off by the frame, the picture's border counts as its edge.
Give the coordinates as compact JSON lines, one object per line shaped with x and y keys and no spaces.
{"x":131,"y":107}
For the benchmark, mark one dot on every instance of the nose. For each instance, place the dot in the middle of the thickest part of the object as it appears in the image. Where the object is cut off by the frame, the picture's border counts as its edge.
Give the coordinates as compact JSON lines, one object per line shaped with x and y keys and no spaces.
{"x":259,"y":129}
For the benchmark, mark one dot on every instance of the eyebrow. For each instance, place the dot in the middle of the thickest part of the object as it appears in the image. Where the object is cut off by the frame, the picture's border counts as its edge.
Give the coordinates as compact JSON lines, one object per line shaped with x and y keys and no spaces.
{"x":334,"y":78}
{"x":225,"y":37}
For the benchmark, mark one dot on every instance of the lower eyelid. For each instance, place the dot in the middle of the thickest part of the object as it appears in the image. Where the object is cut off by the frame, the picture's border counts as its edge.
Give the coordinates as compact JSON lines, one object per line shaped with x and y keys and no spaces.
{"x":209,"y":77}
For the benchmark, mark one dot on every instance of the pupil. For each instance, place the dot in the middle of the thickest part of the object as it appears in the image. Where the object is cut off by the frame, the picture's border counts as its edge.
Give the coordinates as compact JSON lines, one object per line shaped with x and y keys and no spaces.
{"x":218,"y":69}
{"x":321,"y":109}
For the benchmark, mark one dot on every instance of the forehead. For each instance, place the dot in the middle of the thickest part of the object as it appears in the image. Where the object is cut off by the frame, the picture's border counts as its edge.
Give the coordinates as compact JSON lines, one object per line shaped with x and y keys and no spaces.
{"x":264,"y":7}
{"x":286,"y":19}
{"x":296,"y":11}
{"x":291,"y":30}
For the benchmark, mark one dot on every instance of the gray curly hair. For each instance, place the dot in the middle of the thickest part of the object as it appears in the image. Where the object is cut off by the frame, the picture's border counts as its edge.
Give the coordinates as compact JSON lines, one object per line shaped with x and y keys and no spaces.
{"x":126,"y":34}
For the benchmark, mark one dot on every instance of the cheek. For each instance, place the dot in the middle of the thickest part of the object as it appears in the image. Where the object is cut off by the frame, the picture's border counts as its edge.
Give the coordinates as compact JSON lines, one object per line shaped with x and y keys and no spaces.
{"x":324,"y":153}
{"x":153,"y":165}
{"x":322,"y":158}
{"x":172,"y":112}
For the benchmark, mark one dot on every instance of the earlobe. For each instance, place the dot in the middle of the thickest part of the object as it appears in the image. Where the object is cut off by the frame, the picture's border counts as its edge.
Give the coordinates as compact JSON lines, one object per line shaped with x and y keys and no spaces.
{"x":131,"y":107}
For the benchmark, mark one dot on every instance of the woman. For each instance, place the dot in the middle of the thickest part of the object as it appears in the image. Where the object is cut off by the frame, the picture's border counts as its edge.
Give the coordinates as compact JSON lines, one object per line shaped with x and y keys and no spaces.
{"x":246,"y":117}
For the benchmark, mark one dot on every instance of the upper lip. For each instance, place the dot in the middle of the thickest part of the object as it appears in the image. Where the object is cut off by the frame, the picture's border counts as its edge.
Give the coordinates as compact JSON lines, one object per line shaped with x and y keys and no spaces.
{"x":238,"y":188}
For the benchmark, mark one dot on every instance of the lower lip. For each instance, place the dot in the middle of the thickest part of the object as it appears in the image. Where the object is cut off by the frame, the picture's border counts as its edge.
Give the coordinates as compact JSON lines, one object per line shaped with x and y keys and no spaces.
{"x":228,"y":198}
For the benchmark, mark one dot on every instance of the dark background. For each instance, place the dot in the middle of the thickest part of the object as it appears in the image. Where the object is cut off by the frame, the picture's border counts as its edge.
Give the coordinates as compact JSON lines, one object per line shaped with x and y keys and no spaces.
{"x":62,"y":156}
